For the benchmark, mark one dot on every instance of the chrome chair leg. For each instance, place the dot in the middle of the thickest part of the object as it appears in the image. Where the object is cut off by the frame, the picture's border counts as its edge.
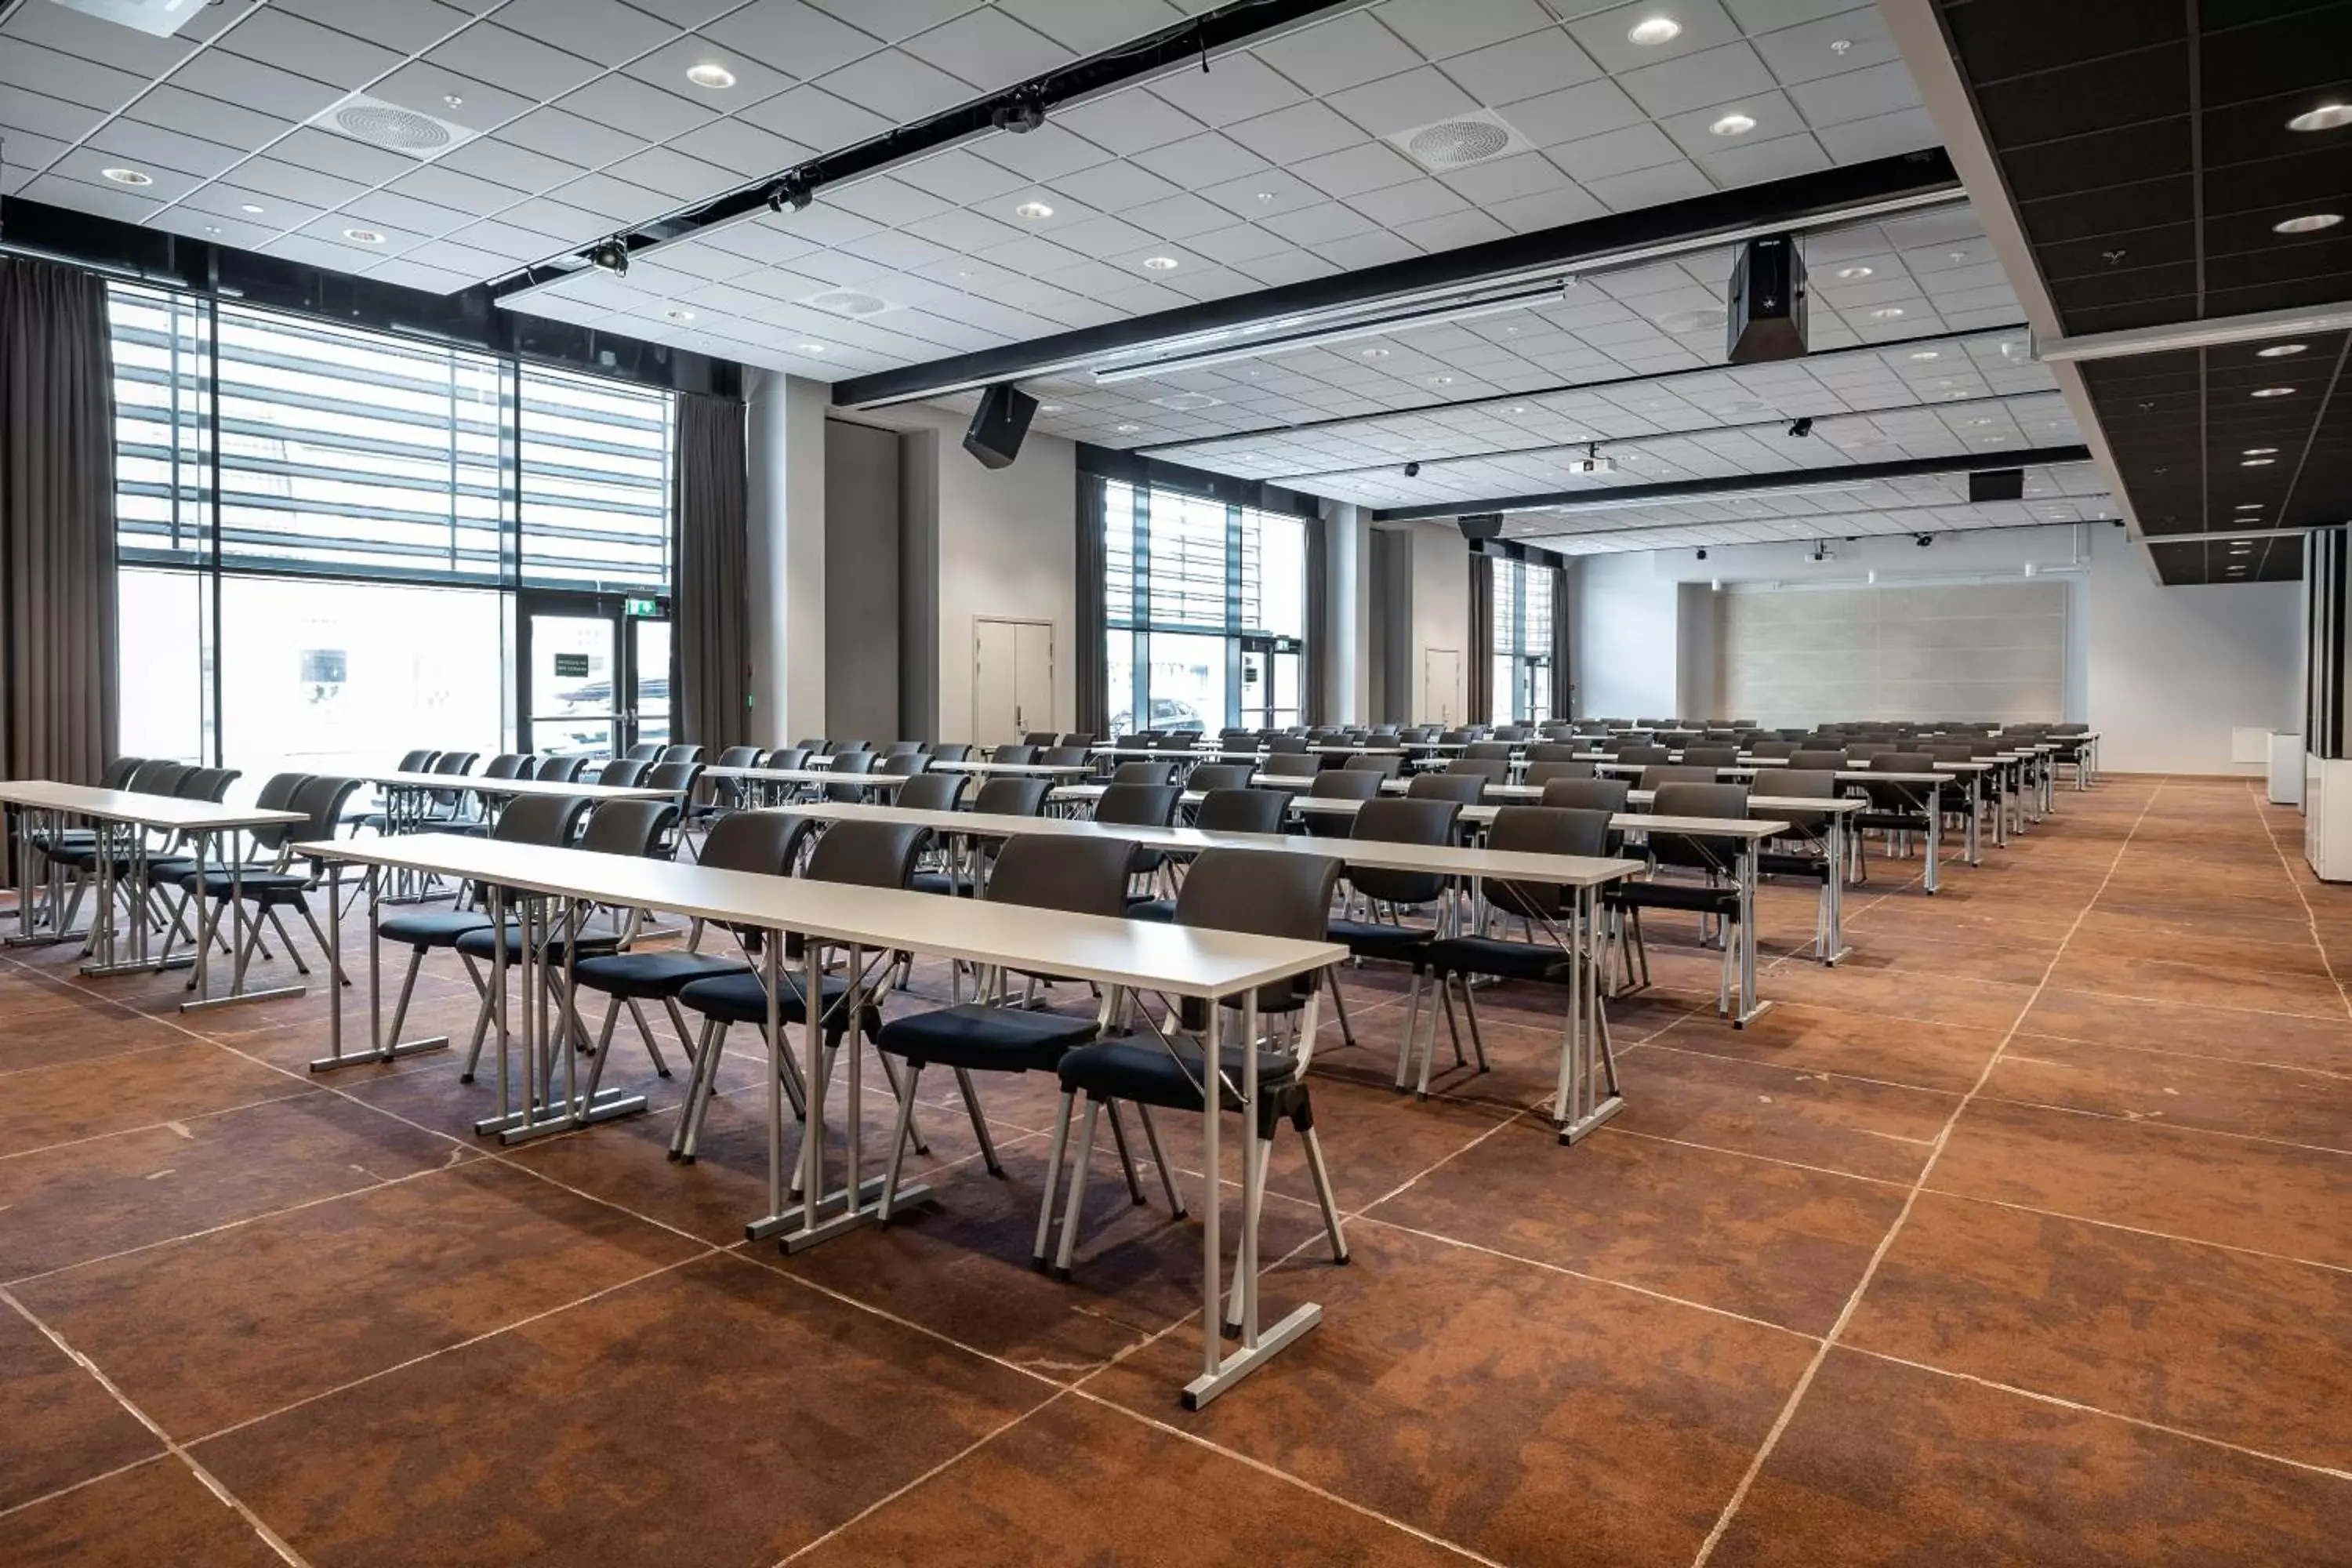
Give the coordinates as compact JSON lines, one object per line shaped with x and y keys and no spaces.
{"x":1160,"y":1158}
{"x":1126,"y":1156}
{"x":1076,"y":1205}
{"x":971,"y":1104}
{"x":1054,"y":1155}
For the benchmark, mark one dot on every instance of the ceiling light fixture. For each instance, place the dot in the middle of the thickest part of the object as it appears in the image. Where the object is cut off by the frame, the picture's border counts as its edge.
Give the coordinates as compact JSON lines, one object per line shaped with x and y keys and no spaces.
{"x":1161,"y":263}
{"x":1129,"y":430}
{"x":1925,"y":354}
{"x":212,"y":228}
{"x":1733,"y":125}
{"x":1853,"y":274}
{"x":2326,"y":117}
{"x":1033,"y":210}
{"x":812,"y":348}
{"x":2260,"y":452}
{"x":1441,"y":381}
{"x":452,"y":100}
{"x":1651,"y":31}
{"x":1519,"y":408}
{"x":676,"y":314}
{"x":1374,"y":354}
{"x":2309,"y":223}
{"x":710,"y":74}
{"x":612,"y":255}
{"x":1049,"y":408}
{"x":1020,"y":114}
{"x":792,"y":191}
{"x":127,"y":176}
{"x":1801,"y":428}
{"x":2248,"y":506}
{"x":2280,"y":351}
{"x":2273,"y":391}
{"x":250,"y":208}
{"x":2256,"y":462}
{"x":364,"y":236}
{"x":1886,"y":313}
{"x":1413,"y":470}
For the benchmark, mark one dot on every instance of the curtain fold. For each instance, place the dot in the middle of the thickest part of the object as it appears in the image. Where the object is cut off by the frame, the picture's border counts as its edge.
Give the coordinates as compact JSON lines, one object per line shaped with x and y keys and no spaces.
{"x":1480,"y":681}
{"x":58,"y":594}
{"x":1092,"y":676}
{"x":1313,"y":701}
{"x":709,"y":498}
{"x":1563,"y":679}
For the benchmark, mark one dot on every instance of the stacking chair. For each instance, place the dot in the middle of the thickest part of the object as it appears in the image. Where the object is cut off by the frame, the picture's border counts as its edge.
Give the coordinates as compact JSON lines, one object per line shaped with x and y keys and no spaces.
{"x":1211,"y":776}
{"x":321,"y":801}
{"x":1013,"y":755}
{"x":1292,"y":765}
{"x":1384,"y":767}
{"x":1717,"y":756}
{"x":511,"y":766}
{"x":860,"y":854}
{"x":1387,"y":894}
{"x":929,"y":791}
{"x":1659,"y":773}
{"x":1554,"y":751}
{"x":1715,"y":898}
{"x":1143,"y":773}
{"x":1494,"y":770}
{"x":1081,"y":876}
{"x":1139,"y":805}
{"x":449,"y":805}
{"x":1063,"y":756}
{"x":1462,"y":789}
{"x":1263,"y":893}
{"x":1543,"y":772}
{"x":786,"y":757}
{"x":1006,"y":796}
{"x":1487,"y":750}
{"x":1586,"y":795}
{"x":1238,"y":809}
{"x":371,"y":815}
{"x":846,"y":764}
{"x":1337,"y":783}
{"x":643,"y":752}
{"x":681,"y":753}
{"x":1285,"y":745}
{"x":1803,"y":850}
{"x":1820,"y":757}
{"x":550,"y":820}
{"x":951,"y":752}
{"x":1895,"y":809}
{"x":270,"y":843}
{"x":1081,"y":739}
{"x":1771,"y":748}
{"x":117,"y":772}
{"x":903,"y":765}
{"x":761,"y":842}
{"x":624,"y":772}
{"x":560,"y":770}
{"x":1040,"y":739}
{"x":1644,"y":753}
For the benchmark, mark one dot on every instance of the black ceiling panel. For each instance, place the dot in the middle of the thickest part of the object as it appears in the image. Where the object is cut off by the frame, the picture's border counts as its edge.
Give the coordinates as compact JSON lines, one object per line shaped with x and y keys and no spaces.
{"x":2147,"y":148}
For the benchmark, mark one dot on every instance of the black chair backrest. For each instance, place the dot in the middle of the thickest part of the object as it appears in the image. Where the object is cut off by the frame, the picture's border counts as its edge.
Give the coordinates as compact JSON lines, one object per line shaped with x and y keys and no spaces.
{"x":930,"y":792}
{"x":1645,"y":754}
{"x":1462,"y":789}
{"x":417,"y":762}
{"x":1143,"y":773}
{"x":1494,"y":770}
{"x":1013,"y":755}
{"x":1710,"y":756}
{"x":1344,"y":784}
{"x":1298,"y":765}
{"x":552,"y":819}
{"x":624,"y":772}
{"x":868,"y":854}
{"x":1818,"y":757}
{"x":903,"y":765}
{"x":1771,"y":748}
{"x":1063,"y":756}
{"x":117,"y":772}
{"x":785,"y":757}
{"x":277,"y":794}
{"x":1078,"y":875}
{"x":838,"y":747}
{"x":1553,"y":752}
{"x":560,"y":770}
{"x":1904,"y":762}
{"x":1952,"y":751}
{"x":739,"y":757}
{"x":1010,"y":797}
{"x":1586,"y":795}
{"x":1668,"y":773}
{"x":321,"y":801}
{"x":629,"y":826}
{"x":1039,"y":738}
{"x":509,"y":766}
{"x":953,"y":751}
{"x":1078,"y":738}
{"x":814,"y":745}
{"x":1697,"y":850}
{"x":681,"y":753}
{"x":1137,"y":805}
{"x":204,"y":784}
{"x":673,"y":776}
{"x":1285,"y":745}
{"x":1241,"y":810}
{"x":1219,"y":775}
{"x":1800,"y":784}
{"x":1262,"y":892}
{"x":1544,"y":771}
{"x":1543,"y":831}
{"x":844,"y":766}
{"x":1488,"y":751}
{"x":646,"y":752}
{"x":1427,"y":819}
{"x":760,"y":841}
{"x":456,"y":762}
{"x":1384,"y":767}
{"x":156,"y":776}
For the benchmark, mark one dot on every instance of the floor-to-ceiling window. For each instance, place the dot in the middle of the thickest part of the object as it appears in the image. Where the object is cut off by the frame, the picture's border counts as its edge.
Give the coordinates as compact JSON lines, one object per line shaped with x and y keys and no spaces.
{"x":1522,"y":641}
{"x":1204,"y":609}
{"x":322,"y":531}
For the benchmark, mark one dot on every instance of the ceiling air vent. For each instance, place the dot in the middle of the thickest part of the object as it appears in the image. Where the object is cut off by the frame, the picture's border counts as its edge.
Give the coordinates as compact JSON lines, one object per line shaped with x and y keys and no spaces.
{"x":392,"y":127}
{"x":855,"y":303}
{"x":1460,"y":142}
{"x":1185,"y":402}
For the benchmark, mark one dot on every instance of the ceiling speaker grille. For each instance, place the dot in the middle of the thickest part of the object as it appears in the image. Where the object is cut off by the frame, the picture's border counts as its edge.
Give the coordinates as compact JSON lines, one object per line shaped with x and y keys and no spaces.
{"x":387,"y":126}
{"x":1460,"y":142}
{"x":849,"y":302}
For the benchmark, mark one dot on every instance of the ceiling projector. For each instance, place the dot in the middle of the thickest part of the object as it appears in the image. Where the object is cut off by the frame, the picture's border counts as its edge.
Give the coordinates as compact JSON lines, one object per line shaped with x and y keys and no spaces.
{"x":1592,"y":462}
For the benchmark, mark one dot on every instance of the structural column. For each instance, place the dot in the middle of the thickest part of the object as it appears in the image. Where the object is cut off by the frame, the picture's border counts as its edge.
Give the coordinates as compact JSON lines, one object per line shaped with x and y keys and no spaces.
{"x":786,"y":556}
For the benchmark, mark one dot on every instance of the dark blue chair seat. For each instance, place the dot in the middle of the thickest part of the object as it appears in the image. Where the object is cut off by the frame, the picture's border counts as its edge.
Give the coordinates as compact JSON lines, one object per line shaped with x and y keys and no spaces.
{"x":994,"y":1039}
{"x":1492,"y":955}
{"x":652,"y":975}
{"x":1378,"y":938}
{"x":432,"y":927}
{"x":1163,"y":911}
{"x":481,"y":943}
{"x":259,"y":886}
{"x":1718,"y":900}
{"x":743,"y":999}
{"x":1145,"y":1072}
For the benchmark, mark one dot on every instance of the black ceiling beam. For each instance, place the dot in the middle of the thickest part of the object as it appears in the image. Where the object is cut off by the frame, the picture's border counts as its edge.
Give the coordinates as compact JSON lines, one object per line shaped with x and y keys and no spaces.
{"x":1195,"y":39}
{"x":1675,"y":490}
{"x":1795,"y":202}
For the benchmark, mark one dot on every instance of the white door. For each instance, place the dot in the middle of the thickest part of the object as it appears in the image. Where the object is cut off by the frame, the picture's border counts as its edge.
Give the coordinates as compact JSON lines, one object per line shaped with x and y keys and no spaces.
{"x":1441,"y":686}
{"x":1011,"y":680}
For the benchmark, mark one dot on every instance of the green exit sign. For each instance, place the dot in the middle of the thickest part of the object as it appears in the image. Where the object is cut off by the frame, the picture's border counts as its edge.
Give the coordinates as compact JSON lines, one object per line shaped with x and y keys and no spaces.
{"x":645,"y":609}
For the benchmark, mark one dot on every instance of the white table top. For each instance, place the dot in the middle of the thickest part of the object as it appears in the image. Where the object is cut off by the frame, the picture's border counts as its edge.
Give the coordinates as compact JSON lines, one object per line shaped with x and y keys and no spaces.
{"x":1022,"y":770}
{"x":142,"y":809}
{"x":1183,"y":961}
{"x":513,"y":789}
{"x":1566,"y":870}
{"x":808,"y":776}
{"x":1626,"y":821}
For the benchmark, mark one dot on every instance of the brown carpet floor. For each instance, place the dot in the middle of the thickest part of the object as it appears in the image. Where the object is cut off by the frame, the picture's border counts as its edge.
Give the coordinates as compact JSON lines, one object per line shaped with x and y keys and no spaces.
{"x":2020,"y":1237}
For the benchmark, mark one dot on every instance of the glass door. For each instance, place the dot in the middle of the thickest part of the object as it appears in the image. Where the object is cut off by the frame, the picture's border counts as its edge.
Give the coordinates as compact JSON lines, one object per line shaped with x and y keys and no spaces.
{"x":648,"y":689}
{"x":595,"y":673}
{"x":1270,"y":673}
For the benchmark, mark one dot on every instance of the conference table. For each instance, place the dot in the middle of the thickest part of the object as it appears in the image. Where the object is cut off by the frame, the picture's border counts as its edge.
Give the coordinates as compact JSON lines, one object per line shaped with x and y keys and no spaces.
{"x":121,"y":819}
{"x":984,"y":769}
{"x":1585,"y":1092}
{"x":1117,"y":954}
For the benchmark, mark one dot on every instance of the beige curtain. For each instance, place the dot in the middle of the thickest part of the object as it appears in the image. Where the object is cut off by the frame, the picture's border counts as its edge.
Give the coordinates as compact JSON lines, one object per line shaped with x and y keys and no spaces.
{"x":57,"y":655}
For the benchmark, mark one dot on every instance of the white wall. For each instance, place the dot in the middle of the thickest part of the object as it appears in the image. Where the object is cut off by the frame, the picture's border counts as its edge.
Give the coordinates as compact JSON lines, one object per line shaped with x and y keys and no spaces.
{"x":1441,"y":619}
{"x":785,"y":556}
{"x":2163,"y":674}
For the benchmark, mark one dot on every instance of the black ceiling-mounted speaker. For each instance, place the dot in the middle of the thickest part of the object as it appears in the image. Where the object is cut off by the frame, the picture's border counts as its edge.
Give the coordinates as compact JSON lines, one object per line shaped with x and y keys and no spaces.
{"x":997,"y":428}
{"x":1481,"y":525}
{"x":1997,"y":484}
{"x":1767,"y":307}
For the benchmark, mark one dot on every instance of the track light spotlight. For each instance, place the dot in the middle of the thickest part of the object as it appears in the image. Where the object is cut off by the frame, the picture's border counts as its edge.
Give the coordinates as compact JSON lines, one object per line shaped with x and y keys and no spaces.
{"x":1922,"y":539}
{"x":1702,"y":552}
{"x":1802,"y":426}
{"x":792,"y":191}
{"x":1413,"y":470}
{"x":612,"y":255}
{"x":1020,"y":114}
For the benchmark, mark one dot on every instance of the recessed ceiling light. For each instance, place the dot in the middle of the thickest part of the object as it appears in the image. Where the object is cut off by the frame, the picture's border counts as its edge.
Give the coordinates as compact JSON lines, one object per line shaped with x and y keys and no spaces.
{"x":1519,"y":408}
{"x":1161,"y":263}
{"x":1886,"y":313}
{"x":1374,"y":354}
{"x":2249,"y":506}
{"x":676,"y":314}
{"x":1653,"y":31}
{"x":710,"y":74}
{"x":2280,"y":351}
{"x":452,"y":100}
{"x":1128,"y":430}
{"x":812,"y":348}
{"x":362,"y":236}
{"x":2256,"y":462}
{"x":1033,"y":210}
{"x":2260,"y":452}
{"x":1850,"y":274}
{"x":1925,"y":354}
{"x":1441,"y":381}
{"x":2273,"y":391}
{"x":2326,"y":117}
{"x":2241,"y":548}
{"x":1265,"y":196}
{"x":127,"y":176}
{"x":212,"y":228}
{"x":1049,"y":408}
{"x":1733,"y":125}
{"x":249,"y":208}
{"x":2308,"y":223}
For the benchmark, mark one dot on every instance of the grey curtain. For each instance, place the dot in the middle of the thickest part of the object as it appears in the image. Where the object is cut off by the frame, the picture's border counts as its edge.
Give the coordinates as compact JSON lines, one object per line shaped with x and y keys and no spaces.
{"x":710,"y":493}
{"x":1563,"y":679}
{"x":1093,"y":678}
{"x":1313,"y":701}
{"x":57,"y":655}
{"x":1480,"y":683}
